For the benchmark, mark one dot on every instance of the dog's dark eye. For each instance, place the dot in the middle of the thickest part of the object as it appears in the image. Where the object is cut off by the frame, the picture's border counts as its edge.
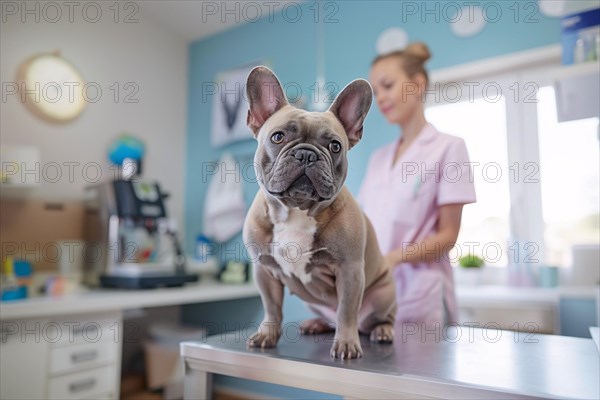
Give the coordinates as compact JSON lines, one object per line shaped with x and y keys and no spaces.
{"x":277,"y":137}
{"x":335,"y":146}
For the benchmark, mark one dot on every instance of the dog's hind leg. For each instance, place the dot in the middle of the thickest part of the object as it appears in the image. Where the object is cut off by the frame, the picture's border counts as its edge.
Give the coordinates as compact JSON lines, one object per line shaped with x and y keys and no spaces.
{"x":314,"y":326}
{"x":382,"y":333}
{"x":378,"y":312}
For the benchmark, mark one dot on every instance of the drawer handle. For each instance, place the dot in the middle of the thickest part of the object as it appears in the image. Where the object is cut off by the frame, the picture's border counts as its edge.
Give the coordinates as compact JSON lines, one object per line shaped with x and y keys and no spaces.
{"x":88,"y":330}
{"x":84,"y":356}
{"x":82,"y":385}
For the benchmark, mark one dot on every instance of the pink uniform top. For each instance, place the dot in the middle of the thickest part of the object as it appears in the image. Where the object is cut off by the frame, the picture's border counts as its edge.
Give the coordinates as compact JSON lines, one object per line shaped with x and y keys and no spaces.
{"x":402,"y":201}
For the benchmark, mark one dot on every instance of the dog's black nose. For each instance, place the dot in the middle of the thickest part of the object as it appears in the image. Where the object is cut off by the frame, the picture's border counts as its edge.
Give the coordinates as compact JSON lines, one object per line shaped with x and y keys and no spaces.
{"x":305,"y":156}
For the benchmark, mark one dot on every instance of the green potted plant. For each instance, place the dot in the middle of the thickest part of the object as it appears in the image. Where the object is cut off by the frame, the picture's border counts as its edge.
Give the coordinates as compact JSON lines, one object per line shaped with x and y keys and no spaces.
{"x":470,"y":272}
{"x":471,"y":261}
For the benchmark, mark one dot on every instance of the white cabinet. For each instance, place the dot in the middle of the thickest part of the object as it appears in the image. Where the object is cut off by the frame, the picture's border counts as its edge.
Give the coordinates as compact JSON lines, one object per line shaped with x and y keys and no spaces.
{"x":529,"y":318}
{"x":80,"y":385}
{"x":577,"y":88}
{"x":565,"y":310}
{"x":23,"y":360}
{"x":72,"y":357}
{"x":531,"y":309}
{"x":86,"y":338}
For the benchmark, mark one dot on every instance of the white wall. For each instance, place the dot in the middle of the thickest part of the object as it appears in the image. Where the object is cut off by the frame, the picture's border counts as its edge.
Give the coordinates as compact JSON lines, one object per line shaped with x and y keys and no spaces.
{"x":105,"y":52}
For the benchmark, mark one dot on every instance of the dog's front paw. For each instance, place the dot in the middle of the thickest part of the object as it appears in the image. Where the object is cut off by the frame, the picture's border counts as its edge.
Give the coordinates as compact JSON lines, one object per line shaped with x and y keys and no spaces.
{"x":267,"y":336}
{"x":346,"y":347}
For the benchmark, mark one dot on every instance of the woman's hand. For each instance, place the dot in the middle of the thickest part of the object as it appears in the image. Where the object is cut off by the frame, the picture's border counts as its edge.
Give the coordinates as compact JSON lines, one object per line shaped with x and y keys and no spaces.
{"x":436,"y":245}
{"x":393,"y":258}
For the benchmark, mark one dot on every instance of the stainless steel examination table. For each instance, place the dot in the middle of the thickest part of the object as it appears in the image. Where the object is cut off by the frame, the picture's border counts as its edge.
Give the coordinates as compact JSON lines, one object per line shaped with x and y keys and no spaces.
{"x":451,"y":363}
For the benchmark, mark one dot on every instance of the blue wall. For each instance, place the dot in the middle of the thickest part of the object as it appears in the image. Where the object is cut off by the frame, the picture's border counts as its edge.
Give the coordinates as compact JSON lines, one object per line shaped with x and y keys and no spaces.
{"x":351,"y":32}
{"x":289,"y":48}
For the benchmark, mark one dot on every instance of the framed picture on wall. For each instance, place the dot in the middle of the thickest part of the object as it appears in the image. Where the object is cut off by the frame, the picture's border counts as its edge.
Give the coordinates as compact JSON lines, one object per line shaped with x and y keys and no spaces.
{"x":230,"y":107}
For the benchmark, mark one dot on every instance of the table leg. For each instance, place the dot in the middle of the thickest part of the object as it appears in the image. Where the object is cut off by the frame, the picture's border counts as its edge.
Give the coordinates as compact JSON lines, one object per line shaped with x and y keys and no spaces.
{"x":197,"y":384}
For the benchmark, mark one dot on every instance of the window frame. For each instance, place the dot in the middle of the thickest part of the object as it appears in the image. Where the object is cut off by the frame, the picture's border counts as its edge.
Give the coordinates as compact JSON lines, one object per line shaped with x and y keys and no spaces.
{"x":518,"y":75}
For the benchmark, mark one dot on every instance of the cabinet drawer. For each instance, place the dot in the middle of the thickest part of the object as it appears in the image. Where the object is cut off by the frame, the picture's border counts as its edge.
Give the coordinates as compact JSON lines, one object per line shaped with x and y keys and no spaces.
{"x":76,"y":357}
{"x":83,"y":384}
{"x":81,"y":330}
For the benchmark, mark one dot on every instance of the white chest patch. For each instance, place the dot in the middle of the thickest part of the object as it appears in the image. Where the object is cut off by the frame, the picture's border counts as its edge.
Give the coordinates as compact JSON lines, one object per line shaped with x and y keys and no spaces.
{"x":293,"y":242}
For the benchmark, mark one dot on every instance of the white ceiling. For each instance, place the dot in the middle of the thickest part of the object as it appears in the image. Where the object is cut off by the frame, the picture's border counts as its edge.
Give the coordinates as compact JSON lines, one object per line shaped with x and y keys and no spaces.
{"x":195,"y":19}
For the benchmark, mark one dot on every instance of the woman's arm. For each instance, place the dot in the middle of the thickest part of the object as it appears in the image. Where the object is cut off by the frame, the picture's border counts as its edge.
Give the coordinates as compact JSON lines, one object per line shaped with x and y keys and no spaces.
{"x":432,"y":248}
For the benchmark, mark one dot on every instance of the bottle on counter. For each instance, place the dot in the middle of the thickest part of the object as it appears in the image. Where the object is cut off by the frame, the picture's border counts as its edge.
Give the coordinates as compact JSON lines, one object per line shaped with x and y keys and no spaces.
{"x":579,"y":51}
{"x":16,"y":279}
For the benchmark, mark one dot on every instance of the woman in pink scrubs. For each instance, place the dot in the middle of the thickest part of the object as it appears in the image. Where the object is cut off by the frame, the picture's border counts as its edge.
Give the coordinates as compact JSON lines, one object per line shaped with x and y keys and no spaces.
{"x":414,"y":191}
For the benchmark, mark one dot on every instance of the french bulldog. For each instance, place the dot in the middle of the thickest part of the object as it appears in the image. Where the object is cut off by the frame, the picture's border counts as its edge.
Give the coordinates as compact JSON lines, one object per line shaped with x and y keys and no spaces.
{"x":304,"y":230}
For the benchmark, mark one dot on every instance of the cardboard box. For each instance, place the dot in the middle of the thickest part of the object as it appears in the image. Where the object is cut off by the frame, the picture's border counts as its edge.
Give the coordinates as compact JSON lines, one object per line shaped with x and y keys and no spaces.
{"x":32,"y":229}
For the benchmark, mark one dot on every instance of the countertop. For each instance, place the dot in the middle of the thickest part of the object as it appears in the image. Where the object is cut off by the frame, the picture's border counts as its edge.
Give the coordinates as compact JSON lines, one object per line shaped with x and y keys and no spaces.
{"x":482,"y":295}
{"x":100,"y":300}
{"x":453,"y":363}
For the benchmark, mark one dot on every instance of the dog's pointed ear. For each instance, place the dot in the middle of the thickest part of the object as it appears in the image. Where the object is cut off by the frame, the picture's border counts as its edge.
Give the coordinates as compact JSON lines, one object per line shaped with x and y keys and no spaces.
{"x":265,"y":97}
{"x":351,"y":107}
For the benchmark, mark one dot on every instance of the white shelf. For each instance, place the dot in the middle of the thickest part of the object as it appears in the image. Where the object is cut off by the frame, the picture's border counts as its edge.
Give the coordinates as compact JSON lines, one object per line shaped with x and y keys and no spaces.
{"x":499,"y":295}
{"x":100,"y":300}
{"x":582,"y":69}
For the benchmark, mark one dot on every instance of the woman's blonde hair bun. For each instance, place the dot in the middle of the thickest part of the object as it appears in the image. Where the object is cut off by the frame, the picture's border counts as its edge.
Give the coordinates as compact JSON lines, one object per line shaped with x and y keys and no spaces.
{"x":418,"y":50}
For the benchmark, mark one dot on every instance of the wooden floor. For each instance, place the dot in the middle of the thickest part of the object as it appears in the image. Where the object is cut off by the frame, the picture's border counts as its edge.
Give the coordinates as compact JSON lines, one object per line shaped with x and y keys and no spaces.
{"x":142,"y":396}
{"x":133,"y":387}
{"x":221,"y":395}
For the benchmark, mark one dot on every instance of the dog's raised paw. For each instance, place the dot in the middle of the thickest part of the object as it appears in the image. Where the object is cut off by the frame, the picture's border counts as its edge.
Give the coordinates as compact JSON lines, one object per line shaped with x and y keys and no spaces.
{"x":382,"y":333}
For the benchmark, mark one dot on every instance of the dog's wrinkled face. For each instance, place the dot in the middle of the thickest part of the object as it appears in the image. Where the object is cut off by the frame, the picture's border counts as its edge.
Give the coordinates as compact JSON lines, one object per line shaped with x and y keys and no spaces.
{"x":301,"y":155}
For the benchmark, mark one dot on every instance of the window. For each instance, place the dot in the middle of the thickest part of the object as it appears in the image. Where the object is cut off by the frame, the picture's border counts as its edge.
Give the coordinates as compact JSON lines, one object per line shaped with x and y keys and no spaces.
{"x":569,"y":165}
{"x":482,"y":124}
{"x":547,"y":198}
